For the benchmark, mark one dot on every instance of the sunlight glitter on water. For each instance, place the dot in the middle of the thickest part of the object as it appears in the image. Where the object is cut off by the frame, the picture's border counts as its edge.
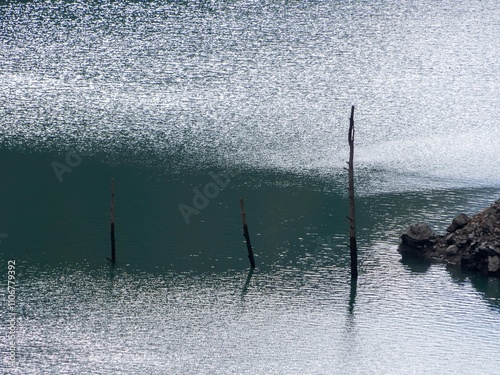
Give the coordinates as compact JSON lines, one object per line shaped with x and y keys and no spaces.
{"x":134,"y":323}
{"x":235,"y":84}
{"x":157,"y":95}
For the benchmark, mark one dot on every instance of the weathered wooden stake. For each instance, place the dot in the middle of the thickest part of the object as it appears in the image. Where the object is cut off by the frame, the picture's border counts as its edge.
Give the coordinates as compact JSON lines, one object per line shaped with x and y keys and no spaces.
{"x":352,"y":211}
{"x":247,"y":236}
{"x":113,"y":253}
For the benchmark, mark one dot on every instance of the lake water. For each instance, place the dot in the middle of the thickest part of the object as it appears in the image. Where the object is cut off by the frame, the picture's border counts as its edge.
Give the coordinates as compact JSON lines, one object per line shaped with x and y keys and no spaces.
{"x":244,"y":99}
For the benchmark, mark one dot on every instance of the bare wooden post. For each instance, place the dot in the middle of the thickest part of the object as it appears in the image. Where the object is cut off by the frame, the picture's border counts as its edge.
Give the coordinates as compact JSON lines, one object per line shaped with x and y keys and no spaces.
{"x":113,"y":253}
{"x":352,"y":211}
{"x":247,"y":236}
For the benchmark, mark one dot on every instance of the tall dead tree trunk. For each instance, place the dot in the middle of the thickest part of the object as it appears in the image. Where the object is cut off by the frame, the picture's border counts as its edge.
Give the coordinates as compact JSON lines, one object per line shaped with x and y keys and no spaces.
{"x":352,"y":212}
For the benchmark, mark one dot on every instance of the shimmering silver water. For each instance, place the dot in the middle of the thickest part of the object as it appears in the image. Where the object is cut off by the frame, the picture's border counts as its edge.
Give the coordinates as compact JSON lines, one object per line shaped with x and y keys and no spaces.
{"x":260,"y":83}
{"x":156,"y":93}
{"x":286,"y":321}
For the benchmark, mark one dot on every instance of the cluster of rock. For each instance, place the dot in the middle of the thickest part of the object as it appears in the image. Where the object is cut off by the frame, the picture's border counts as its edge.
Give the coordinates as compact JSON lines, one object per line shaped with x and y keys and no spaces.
{"x":471,"y":243}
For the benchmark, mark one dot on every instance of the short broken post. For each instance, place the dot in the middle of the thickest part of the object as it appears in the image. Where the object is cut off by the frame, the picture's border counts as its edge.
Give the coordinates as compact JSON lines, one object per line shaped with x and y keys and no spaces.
{"x":246,"y":235}
{"x":352,"y":212}
{"x":113,"y":253}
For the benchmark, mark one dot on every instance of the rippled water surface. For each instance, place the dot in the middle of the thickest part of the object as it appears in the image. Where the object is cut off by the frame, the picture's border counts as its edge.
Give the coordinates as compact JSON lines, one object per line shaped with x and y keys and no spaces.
{"x":163,"y":96}
{"x":263,"y":84}
{"x":284,"y":321}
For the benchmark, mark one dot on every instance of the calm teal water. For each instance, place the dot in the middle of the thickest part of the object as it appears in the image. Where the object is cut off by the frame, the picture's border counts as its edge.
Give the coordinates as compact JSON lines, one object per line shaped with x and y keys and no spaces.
{"x":244,"y":99}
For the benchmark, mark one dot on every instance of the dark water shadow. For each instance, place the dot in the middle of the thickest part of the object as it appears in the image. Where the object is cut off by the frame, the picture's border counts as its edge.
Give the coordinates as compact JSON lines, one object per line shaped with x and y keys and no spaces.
{"x":416,"y":264}
{"x":488,"y":287}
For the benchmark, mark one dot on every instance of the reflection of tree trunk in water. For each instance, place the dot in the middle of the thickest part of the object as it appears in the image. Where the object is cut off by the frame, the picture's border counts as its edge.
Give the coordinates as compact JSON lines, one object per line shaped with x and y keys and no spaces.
{"x":352,"y":294}
{"x":112,"y":270}
{"x":247,"y":282}
{"x":352,"y":211}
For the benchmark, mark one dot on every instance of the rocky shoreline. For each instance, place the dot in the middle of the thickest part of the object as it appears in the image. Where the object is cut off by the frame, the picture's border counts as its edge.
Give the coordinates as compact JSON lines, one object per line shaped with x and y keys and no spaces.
{"x":472,"y":243}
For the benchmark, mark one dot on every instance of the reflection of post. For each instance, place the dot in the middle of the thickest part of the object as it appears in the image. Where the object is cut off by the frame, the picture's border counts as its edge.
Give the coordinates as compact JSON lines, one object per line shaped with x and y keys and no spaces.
{"x":247,"y":236}
{"x":247,"y":282}
{"x":352,"y":294}
{"x":352,"y":211}
{"x":113,"y":254}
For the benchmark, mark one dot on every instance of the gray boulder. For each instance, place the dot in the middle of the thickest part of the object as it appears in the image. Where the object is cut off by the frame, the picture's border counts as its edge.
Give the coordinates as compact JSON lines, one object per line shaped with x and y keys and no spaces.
{"x":493,"y":264}
{"x":452,"y":250}
{"x":418,"y":235}
{"x":458,"y":222}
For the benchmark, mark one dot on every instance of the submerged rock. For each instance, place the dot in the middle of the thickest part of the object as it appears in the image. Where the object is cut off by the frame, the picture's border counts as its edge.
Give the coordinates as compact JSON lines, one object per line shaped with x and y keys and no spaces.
{"x":472,"y":243}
